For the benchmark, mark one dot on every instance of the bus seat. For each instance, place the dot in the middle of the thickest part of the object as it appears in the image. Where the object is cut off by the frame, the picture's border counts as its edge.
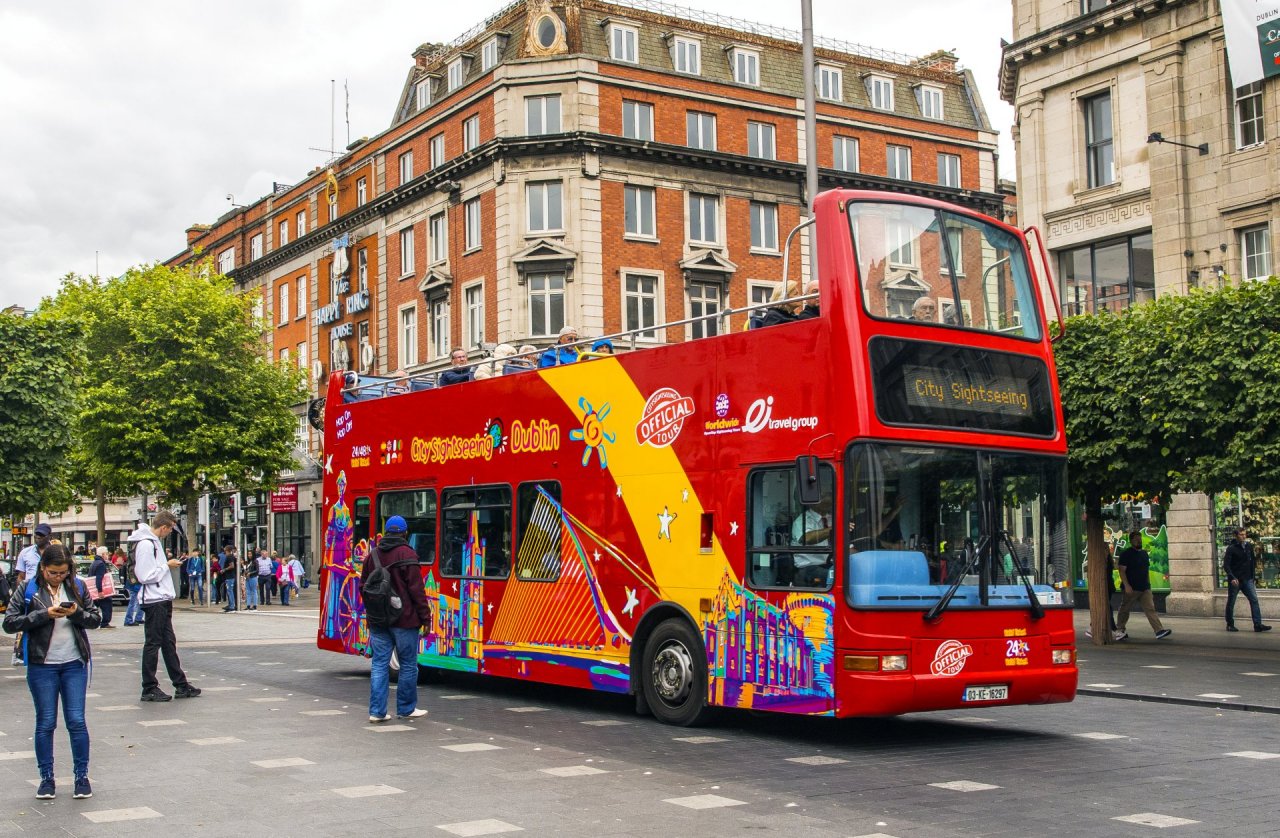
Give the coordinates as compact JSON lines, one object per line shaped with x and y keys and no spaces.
{"x":883,"y":577}
{"x":418,"y":384}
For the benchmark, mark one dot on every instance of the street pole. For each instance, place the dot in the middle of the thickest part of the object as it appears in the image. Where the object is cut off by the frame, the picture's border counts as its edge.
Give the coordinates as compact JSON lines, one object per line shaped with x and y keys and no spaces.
{"x":240,"y":586}
{"x":810,"y":131}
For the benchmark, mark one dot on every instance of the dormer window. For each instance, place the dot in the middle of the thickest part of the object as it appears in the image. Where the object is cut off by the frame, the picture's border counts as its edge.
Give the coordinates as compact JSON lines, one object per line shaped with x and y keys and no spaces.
{"x":455,"y":74}
{"x":930,"y":101}
{"x":880,"y":89}
{"x":746,"y":66}
{"x":489,"y":55}
{"x":422,"y":90}
{"x":830,"y":82}
{"x":686,"y":55}
{"x":623,"y":41}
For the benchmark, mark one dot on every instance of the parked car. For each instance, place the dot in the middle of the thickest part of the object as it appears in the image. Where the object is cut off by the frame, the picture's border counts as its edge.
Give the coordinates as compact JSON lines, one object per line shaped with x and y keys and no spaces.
{"x":121,"y":596}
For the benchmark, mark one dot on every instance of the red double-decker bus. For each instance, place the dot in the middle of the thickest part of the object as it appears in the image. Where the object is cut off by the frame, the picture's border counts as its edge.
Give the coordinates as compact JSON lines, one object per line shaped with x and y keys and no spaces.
{"x":859,"y":512}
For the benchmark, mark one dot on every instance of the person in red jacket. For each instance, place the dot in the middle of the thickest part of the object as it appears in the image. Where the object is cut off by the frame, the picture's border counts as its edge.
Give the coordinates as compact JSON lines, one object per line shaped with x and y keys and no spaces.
{"x":401,"y":562}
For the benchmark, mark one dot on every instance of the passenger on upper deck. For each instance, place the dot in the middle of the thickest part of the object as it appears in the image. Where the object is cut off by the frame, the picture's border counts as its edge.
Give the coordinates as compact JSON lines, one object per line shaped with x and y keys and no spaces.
{"x":497,"y":360}
{"x":459,"y":372}
{"x":524,"y":363}
{"x":600,"y":348}
{"x":810,"y":309}
{"x":561,"y":353}
{"x":783,"y":311}
{"x":924,"y":308}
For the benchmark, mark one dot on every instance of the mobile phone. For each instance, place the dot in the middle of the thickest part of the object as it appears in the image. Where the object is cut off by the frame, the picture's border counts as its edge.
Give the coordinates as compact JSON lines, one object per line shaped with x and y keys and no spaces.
{"x":65,"y":604}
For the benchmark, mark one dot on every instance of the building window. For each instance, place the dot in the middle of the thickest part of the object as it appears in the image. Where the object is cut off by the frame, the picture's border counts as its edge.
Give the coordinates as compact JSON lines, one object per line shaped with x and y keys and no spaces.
{"x":470,"y":134}
{"x":704,"y":301}
{"x":361,"y":196}
{"x":282,"y":314}
{"x":302,"y":223}
{"x":284,"y":355}
{"x":407,"y":342}
{"x":622,"y":43}
{"x":455,"y":74}
{"x":255,"y":247}
{"x":439,"y":238}
{"x":473,"y":298}
{"x":764,"y":226}
{"x":1094,"y":5}
{"x":440,"y":344}
{"x":637,"y":120}
{"x":489,"y":55}
{"x":1249,"y":130}
{"x":406,"y":167}
{"x":949,"y":170}
{"x":406,"y":251}
{"x":227,"y":261}
{"x":1099,"y":154}
{"x":545,"y":211}
{"x":1111,"y":275}
{"x":422,"y":93}
{"x":703,"y":212}
{"x":471,"y":212}
{"x":760,"y":293}
{"x":640,"y":304}
{"x":362,"y":341}
{"x":333,"y":209}
{"x":546,"y":304}
{"x":746,"y":66}
{"x":302,"y":298}
{"x":901,"y":236}
{"x":898,"y":162}
{"x":760,"y":140}
{"x":881,"y":90}
{"x":638,"y":211}
{"x":283,"y":234}
{"x":700,"y":130}
{"x":930,"y":100}
{"x":686,"y":55}
{"x":1255,"y":251}
{"x":362,"y":267}
{"x":845,"y":154}
{"x":830,"y":83}
{"x":302,"y":356}
{"x":542,"y":115}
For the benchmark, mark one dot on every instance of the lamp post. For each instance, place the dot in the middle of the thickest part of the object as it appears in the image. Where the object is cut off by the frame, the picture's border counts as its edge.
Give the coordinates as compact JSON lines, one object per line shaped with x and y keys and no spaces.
{"x":810,"y":129}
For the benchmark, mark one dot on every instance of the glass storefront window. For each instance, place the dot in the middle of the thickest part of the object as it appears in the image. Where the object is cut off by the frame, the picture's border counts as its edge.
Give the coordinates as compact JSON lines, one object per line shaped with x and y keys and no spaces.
{"x":1111,"y":275}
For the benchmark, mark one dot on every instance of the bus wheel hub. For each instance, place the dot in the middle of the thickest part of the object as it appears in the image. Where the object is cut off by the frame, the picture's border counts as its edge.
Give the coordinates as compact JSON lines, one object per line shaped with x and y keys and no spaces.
{"x":673,"y":673}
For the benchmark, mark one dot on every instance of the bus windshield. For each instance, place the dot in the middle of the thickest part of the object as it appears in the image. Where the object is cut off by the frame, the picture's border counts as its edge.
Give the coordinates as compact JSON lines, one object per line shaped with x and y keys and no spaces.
{"x":924,"y":518}
{"x":976,"y":277}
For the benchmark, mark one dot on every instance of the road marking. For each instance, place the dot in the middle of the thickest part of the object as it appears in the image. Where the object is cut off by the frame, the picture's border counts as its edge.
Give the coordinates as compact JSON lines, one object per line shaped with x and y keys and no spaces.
{"x":699,"y":740}
{"x":1153,"y":819}
{"x":217,"y":689}
{"x":285,"y":762}
{"x":112,"y":815}
{"x":8,"y":755}
{"x":236,"y":657}
{"x":1158,"y":666}
{"x":817,"y":760}
{"x":323,"y":713}
{"x":1260,"y":674}
{"x":270,"y":663}
{"x":1100,"y":736}
{"x":705,"y":801}
{"x":385,"y":728}
{"x":161,"y":722}
{"x":971,"y":719}
{"x":526,"y":709}
{"x":306,"y":670}
{"x":456,"y":697}
{"x":606,"y":723}
{"x":469,"y":747}
{"x":216,"y":740}
{"x":573,"y":771}
{"x":112,"y":708}
{"x":1106,"y":686}
{"x":269,"y":699}
{"x":1217,"y":696}
{"x":367,"y":791}
{"x":1253,"y":755}
{"x":489,"y":826}
{"x":964,"y":785}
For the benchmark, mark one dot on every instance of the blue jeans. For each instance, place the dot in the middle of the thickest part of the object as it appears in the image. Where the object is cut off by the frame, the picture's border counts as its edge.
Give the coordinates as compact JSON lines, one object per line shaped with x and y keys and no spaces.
{"x":231,"y":594}
{"x":1247,"y":587}
{"x":133,"y":613}
{"x":251,"y":592}
{"x":196,"y":587}
{"x":405,"y":643}
{"x":47,"y":683}
{"x":285,"y":590}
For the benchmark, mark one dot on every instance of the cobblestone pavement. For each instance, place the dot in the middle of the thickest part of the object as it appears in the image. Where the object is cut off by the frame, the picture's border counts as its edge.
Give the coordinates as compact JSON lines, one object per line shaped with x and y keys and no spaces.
{"x":279,"y":745}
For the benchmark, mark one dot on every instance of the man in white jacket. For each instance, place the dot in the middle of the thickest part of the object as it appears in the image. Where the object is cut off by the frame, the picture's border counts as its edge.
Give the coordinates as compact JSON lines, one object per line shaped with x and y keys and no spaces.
{"x":152,"y":567}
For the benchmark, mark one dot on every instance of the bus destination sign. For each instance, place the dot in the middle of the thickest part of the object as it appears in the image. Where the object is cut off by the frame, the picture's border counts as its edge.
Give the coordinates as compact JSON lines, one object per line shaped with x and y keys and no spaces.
{"x":954,"y":389}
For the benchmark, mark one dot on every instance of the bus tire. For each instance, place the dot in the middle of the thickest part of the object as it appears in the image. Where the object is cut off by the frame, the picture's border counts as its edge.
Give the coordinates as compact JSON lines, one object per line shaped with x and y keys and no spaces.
{"x":674,"y":676}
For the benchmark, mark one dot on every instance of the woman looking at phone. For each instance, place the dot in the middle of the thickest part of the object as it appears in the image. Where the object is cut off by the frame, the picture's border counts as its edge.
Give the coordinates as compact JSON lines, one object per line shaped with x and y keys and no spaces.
{"x":54,"y":610}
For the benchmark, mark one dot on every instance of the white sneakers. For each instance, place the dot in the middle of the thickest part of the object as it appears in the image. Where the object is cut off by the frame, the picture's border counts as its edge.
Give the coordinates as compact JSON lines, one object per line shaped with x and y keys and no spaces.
{"x":380,"y":719}
{"x":416,"y":714}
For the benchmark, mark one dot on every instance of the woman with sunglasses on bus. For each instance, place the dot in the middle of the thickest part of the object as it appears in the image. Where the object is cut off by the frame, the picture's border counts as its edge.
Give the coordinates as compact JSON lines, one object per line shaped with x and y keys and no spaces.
{"x":54,"y":610}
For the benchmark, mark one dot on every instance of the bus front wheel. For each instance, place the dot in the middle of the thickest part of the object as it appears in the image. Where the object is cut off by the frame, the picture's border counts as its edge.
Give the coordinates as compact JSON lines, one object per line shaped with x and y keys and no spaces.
{"x":675,"y":679}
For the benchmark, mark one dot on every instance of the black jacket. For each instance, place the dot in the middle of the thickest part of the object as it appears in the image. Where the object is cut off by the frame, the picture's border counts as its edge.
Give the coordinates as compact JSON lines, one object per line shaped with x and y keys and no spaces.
{"x":401,"y":562}
{"x":1238,"y":561}
{"x":38,"y":625}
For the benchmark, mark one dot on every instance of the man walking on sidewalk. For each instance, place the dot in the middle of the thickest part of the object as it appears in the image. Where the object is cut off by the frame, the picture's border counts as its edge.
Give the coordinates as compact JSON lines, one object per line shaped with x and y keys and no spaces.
{"x":1135,"y":574}
{"x":1238,"y":564}
{"x":152,"y":567}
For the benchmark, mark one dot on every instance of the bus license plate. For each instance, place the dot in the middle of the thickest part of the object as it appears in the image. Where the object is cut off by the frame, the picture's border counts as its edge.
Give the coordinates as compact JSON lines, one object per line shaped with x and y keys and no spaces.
{"x":996,"y":693}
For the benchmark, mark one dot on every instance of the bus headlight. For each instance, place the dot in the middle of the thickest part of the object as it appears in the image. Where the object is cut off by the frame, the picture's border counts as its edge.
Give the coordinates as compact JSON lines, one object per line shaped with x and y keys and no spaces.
{"x":1062,"y":656}
{"x":875,"y":663}
{"x":893,"y":663}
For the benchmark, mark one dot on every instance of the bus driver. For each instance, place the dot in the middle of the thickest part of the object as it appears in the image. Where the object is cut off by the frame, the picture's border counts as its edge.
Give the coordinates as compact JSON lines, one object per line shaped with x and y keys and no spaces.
{"x":812,"y":528}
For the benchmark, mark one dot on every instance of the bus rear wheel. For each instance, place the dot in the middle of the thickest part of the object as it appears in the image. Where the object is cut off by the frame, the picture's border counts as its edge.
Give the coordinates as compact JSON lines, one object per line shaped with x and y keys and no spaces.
{"x":675,"y":676}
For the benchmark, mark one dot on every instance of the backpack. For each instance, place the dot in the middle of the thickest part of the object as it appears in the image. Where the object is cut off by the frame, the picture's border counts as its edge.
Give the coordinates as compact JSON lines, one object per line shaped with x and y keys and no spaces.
{"x":130,"y":571}
{"x":382,"y":605}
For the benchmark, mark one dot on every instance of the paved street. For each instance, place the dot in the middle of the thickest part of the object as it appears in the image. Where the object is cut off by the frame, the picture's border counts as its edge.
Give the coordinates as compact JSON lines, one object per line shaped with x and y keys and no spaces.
{"x":279,"y":745}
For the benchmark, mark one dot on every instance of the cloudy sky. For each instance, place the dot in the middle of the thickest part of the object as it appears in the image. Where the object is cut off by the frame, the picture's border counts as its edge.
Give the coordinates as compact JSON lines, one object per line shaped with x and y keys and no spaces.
{"x":126,"y":122}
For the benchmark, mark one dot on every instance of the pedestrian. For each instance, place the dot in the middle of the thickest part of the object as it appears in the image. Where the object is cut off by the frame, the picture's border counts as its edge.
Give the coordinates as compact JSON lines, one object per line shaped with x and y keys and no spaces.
{"x":152,"y":568}
{"x":133,"y":611}
{"x":1135,"y":575}
{"x":228,"y":581}
{"x":275,"y":573}
{"x":195,"y":575}
{"x":297,"y":574}
{"x":1238,"y":564}
{"x":284,"y":576}
{"x":404,"y":636}
{"x":53,"y":610}
{"x":24,"y":568}
{"x":184,"y":582}
{"x":103,"y":585}
{"x":265,"y":576}
{"x":249,"y":571}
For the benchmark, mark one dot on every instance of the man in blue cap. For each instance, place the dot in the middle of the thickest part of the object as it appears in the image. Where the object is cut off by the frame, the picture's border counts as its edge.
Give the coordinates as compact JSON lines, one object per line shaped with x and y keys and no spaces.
{"x":401,"y":562}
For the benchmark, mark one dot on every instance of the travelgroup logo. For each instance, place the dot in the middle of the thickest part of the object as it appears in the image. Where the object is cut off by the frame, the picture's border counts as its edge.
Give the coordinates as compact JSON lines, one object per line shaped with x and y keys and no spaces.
{"x":663,"y":418}
{"x":760,"y":418}
{"x":950,"y":658}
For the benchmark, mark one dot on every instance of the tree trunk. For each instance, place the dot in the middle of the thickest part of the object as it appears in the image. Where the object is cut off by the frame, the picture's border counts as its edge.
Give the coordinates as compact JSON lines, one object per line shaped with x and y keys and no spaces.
{"x":1099,"y":554}
{"x":100,"y":496}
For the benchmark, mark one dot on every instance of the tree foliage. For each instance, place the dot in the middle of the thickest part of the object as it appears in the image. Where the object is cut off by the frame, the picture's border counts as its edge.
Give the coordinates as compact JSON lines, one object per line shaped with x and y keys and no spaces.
{"x":39,"y":359}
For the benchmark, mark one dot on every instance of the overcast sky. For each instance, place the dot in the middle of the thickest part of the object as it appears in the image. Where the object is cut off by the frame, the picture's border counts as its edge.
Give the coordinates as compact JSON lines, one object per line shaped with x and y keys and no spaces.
{"x":125,"y":122}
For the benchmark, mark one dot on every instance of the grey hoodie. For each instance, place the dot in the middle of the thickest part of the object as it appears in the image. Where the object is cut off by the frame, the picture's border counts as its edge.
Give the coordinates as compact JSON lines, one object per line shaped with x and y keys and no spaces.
{"x":151,"y":566}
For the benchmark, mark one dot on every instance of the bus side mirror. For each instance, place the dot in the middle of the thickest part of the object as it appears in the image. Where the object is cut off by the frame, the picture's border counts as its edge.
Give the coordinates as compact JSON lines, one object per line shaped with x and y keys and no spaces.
{"x":807,"y":479}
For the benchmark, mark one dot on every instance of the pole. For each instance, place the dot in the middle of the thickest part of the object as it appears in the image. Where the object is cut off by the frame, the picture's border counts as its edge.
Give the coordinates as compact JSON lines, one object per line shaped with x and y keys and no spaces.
{"x":810,"y":130}
{"x":239,"y":582}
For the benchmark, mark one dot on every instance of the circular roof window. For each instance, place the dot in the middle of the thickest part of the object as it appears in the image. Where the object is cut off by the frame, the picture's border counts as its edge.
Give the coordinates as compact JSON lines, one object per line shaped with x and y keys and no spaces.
{"x":547,"y":31}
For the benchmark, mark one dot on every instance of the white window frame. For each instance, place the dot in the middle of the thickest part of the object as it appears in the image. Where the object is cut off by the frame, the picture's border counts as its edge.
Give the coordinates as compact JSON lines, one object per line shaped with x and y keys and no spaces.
{"x":407,"y":336}
{"x":489,"y":55}
{"x":302,"y":357}
{"x":302,"y":223}
{"x":840,"y":153}
{"x":282,"y":230}
{"x":301,"y":309}
{"x":1255,"y":248}
{"x":949,"y":170}
{"x":282,"y":314}
{"x":638,"y":124}
{"x":255,"y":247}
{"x":710,"y":327}
{"x":702,"y":202}
{"x":473,"y":314}
{"x":362,"y":196}
{"x":880,"y":89}
{"x":548,"y":196}
{"x":284,"y":355}
{"x":455,"y":77}
{"x":437,"y":150}
{"x":639,"y":212}
{"x":650,"y":331}
{"x":439,"y":337}
{"x":1250,"y":97}
{"x":406,"y":251}
{"x":686,"y":55}
{"x":696,"y":124}
{"x":438,"y":238}
{"x":930,"y":101}
{"x":900,"y":243}
{"x":473,"y":225}
{"x":746,"y":65}
{"x":760,"y":291}
{"x":894,"y":157}
{"x":422,"y":94}
{"x":830,"y":81}
{"x":333,"y":210}
{"x":470,"y":133}
{"x":227,"y":261}
{"x":767,"y":215}
{"x":624,"y":43}
{"x":362,"y":269}
{"x":405,"y":161}
{"x":539,"y":112}
{"x":546,"y":296}
{"x":761,"y":140}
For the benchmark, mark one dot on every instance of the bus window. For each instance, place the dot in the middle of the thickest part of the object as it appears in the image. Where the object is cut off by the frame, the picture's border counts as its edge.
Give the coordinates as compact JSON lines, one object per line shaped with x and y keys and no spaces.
{"x":361,"y":513}
{"x":477,"y":532}
{"x":418,"y":508}
{"x":538,"y":531}
{"x":789,"y":544}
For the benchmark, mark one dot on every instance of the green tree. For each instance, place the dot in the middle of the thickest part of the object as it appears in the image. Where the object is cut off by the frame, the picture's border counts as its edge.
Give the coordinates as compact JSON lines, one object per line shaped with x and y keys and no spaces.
{"x":178,"y":396}
{"x":39,"y":358}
